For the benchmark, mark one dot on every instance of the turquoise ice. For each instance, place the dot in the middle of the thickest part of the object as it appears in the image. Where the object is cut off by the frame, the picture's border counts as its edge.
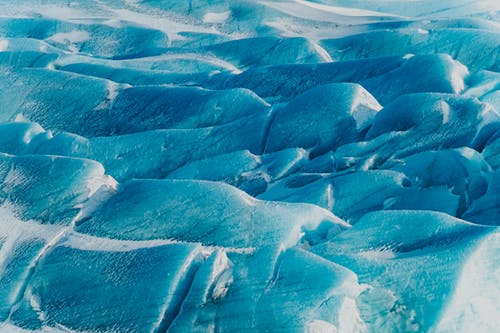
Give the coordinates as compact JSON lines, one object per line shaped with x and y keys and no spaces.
{"x":249,"y":166}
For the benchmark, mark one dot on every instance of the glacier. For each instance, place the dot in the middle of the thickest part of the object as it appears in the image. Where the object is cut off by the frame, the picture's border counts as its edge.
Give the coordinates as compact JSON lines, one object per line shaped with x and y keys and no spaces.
{"x":249,"y":166}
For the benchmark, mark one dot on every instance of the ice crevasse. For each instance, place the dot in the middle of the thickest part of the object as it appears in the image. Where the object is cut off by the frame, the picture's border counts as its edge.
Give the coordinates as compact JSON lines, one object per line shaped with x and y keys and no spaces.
{"x":249,"y":166}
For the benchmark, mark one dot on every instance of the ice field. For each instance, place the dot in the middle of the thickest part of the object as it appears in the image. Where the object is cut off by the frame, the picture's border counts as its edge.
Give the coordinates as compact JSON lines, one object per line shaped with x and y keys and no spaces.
{"x":249,"y":166}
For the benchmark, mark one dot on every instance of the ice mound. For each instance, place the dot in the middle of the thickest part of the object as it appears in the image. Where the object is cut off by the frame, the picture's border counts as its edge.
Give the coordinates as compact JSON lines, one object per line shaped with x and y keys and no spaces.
{"x":421,"y":38}
{"x":48,"y":188}
{"x":127,"y":275}
{"x":427,"y":250}
{"x":328,"y":110}
{"x":386,"y":78}
{"x":102,"y":38}
{"x":206,"y":212}
{"x":249,"y":166}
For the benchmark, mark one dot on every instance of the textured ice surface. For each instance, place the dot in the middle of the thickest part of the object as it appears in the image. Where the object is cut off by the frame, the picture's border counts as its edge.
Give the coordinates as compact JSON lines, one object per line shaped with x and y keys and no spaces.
{"x":249,"y":166}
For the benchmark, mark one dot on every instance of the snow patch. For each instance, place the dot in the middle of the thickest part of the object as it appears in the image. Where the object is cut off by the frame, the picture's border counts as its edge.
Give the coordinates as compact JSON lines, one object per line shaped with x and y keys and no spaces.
{"x":445,"y":109}
{"x":4,"y":45}
{"x":75,"y":36}
{"x":379,"y":254}
{"x":320,"y":326}
{"x":216,"y":18}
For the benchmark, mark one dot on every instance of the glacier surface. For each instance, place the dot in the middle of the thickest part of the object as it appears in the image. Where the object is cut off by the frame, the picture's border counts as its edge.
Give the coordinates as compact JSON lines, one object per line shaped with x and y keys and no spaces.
{"x":249,"y":166}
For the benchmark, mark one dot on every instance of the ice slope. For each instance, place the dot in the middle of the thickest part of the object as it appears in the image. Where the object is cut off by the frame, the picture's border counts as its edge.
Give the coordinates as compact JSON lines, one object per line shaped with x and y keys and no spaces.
{"x":249,"y":166}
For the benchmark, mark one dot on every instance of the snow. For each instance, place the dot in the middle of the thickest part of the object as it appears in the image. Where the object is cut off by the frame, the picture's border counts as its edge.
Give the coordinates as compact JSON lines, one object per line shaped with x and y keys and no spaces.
{"x":228,"y":165}
{"x":475,"y":298}
{"x":71,"y":37}
{"x":4,"y":45}
{"x":314,"y":11}
{"x":216,"y":18}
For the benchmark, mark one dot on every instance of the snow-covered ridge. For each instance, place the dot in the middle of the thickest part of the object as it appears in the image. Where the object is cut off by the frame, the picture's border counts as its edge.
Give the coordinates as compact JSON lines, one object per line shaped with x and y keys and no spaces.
{"x":249,"y":166}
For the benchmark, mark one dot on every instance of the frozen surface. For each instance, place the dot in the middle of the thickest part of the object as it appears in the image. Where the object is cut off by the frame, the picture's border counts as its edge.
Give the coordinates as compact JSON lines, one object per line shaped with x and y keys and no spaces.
{"x":249,"y":166}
